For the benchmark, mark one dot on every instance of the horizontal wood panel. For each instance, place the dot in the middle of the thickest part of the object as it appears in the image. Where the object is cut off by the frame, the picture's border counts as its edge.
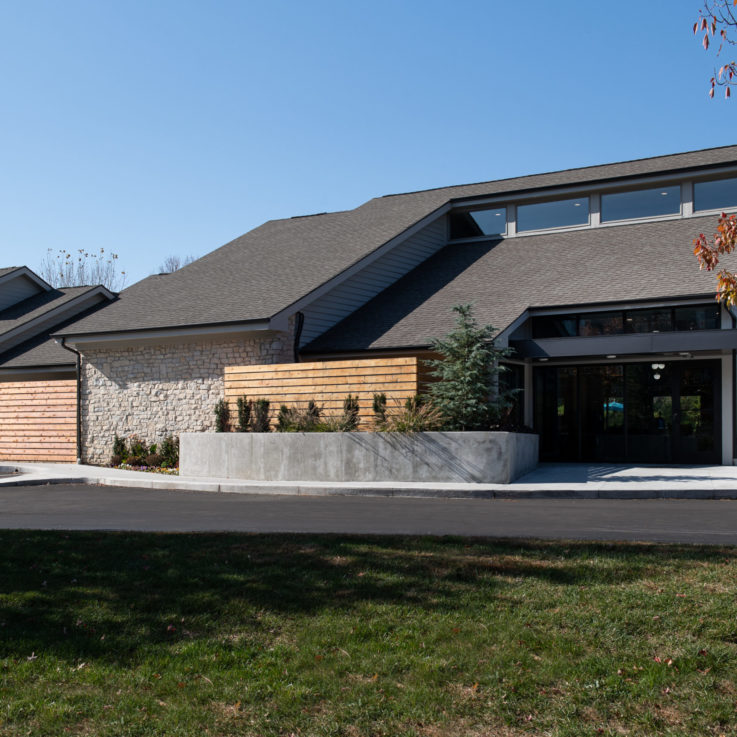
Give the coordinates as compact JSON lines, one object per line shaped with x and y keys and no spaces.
{"x":51,"y":384}
{"x":362,"y":363}
{"x":38,"y":420}
{"x":327,"y":382}
{"x":377,"y":373}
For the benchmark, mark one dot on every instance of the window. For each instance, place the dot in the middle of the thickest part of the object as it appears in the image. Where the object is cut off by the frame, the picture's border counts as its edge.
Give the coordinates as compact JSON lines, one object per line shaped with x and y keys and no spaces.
{"x":649,"y":321}
{"x":558,"y":214}
{"x":717,"y":195}
{"x":657,"y":320}
{"x":555,"y":326}
{"x":476,"y":223}
{"x":700,"y":317}
{"x":600,"y":323}
{"x":642,"y":203}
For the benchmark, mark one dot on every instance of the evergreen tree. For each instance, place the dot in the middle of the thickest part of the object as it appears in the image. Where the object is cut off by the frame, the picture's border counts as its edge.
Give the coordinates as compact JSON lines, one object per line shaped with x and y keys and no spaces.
{"x":467,"y":388}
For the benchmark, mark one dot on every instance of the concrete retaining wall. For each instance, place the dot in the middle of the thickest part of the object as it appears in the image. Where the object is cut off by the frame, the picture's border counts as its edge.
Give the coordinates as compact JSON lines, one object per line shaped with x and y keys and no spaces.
{"x":470,"y":457}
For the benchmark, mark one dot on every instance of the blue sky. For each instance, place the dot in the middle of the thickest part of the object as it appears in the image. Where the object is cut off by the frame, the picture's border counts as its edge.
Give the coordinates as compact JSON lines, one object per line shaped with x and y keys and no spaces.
{"x":170,"y":127}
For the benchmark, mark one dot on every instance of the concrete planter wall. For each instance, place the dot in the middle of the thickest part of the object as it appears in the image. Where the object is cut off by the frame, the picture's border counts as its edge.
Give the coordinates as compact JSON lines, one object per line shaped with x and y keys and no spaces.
{"x":471,"y":457}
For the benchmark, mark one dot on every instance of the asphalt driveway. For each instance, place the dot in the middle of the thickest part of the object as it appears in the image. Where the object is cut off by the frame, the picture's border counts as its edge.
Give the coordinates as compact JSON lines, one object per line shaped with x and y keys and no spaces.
{"x":82,"y":507}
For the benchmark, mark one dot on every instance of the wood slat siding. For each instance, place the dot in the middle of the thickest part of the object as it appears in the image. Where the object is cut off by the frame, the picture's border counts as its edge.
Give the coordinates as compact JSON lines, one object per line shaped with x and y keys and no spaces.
{"x":38,"y":421}
{"x":353,"y":293}
{"x":327,"y":382}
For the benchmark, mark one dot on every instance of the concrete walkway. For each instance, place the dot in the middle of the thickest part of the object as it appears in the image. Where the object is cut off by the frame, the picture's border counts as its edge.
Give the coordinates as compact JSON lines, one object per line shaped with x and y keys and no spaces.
{"x":564,"y":481}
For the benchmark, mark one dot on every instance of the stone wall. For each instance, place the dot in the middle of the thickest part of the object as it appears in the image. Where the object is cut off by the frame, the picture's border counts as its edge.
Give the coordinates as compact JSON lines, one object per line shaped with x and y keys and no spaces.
{"x":158,"y":390}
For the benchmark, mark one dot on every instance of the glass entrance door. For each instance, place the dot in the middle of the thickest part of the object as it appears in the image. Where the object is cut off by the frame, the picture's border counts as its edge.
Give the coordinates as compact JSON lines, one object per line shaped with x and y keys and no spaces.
{"x":659,"y":412}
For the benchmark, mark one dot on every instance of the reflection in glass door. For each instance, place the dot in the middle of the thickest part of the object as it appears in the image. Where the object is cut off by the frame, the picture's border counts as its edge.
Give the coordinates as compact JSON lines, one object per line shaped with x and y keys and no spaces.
{"x":659,"y":412}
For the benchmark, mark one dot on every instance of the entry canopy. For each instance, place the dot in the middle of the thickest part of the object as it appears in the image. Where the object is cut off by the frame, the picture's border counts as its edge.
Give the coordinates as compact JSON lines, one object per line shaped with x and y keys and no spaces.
{"x":621,"y":345}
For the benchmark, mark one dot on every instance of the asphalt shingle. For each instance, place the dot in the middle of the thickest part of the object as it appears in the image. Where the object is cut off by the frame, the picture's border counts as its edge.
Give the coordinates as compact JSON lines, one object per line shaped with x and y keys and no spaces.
{"x":266,"y":270}
{"x":503,"y":278}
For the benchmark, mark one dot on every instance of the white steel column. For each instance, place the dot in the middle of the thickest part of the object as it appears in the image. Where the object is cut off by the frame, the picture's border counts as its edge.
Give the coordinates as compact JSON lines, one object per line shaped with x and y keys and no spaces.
{"x":727,"y":420}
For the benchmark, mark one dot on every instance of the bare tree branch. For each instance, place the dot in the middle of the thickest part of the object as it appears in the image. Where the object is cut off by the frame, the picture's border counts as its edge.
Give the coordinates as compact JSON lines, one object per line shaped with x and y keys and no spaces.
{"x":64,"y":269}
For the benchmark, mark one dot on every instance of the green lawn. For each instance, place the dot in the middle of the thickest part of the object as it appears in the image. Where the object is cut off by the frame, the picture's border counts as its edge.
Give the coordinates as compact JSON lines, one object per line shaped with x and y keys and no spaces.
{"x":137,"y":634}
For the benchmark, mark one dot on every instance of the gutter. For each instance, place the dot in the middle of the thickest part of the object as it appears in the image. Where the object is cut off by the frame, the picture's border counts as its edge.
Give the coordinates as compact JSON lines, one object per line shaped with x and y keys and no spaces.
{"x":62,"y":343}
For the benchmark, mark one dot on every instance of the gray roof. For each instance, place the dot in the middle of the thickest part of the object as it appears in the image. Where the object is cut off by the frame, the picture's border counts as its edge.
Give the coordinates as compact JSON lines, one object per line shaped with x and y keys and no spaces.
{"x":29,"y":309}
{"x":39,"y":352}
{"x":505,"y":277}
{"x":39,"y":349}
{"x":8,"y":269}
{"x":266,"y":270}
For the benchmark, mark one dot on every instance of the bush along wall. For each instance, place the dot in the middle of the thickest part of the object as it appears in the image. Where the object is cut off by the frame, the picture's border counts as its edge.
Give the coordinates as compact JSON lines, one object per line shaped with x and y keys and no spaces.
{"x":134,"y":453}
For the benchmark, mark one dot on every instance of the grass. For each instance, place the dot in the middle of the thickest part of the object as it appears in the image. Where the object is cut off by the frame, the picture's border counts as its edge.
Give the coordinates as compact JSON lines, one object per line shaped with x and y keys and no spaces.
{"x":135,"y":634}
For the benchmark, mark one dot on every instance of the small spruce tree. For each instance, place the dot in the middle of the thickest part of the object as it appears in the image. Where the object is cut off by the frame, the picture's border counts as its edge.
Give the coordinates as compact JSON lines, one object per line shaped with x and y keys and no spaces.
{"x":467,"y":388}
{"x":351,"y":410}
{"x":244,"y":414}
{"x":260,"y":418}
{"x":222,"y":416}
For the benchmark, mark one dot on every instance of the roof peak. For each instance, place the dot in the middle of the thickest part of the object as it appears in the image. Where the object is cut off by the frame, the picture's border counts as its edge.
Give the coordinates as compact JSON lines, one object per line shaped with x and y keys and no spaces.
{"x":560,"y":171}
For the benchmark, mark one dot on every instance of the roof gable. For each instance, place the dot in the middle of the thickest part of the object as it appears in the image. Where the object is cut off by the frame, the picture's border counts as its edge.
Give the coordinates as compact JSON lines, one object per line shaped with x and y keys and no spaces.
{"x":504,"y":278}
{"x":265,"y":272}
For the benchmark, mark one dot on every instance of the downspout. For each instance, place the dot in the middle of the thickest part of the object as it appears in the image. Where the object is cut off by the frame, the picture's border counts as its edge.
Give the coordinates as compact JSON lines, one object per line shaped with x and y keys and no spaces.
{"x":299,"y":324}
{"x":62,"y":343}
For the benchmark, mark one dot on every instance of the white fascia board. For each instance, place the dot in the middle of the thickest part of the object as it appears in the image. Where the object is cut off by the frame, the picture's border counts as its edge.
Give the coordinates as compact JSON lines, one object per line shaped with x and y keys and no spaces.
{"x":25,"y":271}
{"x":130,"y":338}
{"x":359,"y":265}
{"x":58,"y":314}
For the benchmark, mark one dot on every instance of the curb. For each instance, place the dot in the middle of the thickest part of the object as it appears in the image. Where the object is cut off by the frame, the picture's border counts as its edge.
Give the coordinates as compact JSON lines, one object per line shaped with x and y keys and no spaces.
{"x":173,"y":483}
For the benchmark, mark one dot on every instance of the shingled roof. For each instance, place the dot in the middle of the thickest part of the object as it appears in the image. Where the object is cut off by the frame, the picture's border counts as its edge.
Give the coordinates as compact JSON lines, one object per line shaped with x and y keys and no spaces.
{"x":34,"y":307}
{"x":506,"y":277}
{"x":33,"y":318}
{"x":267,"y":270}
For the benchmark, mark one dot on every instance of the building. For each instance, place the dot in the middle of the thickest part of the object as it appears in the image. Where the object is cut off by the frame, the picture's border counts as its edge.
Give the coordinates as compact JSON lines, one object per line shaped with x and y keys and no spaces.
{"x":620,"y":349}
{"x":38,"y":378}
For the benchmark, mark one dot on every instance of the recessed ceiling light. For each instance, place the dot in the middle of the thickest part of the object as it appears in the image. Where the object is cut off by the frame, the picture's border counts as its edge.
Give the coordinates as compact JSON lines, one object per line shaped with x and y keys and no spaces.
{"x":665,"y":194}
{"x":611,"y":355}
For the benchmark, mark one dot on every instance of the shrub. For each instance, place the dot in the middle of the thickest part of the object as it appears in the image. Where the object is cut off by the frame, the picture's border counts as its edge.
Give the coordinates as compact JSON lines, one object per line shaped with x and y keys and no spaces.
{"x":416,"y":415}
{"x":136,"y":447}
{"x":222,"y":416}
{"x":467,"y":392}
{"x":153,"y":449}
{"x":119,"y":449}
{"x":350,"y":417}
{"x":285,"y":419}
{"x":379,"y":408}
{"x":311,"y":415}
{"x":244,"y":414}
{"x":154,"y":460}
{"x":116,"y":459}
{"x":260,"y":421}
{"x":170,"y":452}
{"x":134,"y":460}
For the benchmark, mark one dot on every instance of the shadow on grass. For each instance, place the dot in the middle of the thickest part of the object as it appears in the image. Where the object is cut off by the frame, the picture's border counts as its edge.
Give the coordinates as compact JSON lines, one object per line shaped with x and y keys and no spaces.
{"x":112,"y":595}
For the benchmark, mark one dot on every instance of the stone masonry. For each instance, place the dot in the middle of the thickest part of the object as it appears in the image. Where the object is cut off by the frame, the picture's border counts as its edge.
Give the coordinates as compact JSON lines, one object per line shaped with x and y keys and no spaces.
{"x":161,"y":390}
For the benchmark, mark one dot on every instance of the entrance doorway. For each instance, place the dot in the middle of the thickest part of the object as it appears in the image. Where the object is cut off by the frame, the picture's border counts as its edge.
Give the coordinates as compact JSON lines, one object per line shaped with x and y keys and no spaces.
{"x":656,"y":412}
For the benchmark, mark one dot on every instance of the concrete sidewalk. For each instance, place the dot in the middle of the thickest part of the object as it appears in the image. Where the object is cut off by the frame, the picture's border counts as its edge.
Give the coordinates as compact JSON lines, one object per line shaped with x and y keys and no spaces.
{"x":563,"y":481}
